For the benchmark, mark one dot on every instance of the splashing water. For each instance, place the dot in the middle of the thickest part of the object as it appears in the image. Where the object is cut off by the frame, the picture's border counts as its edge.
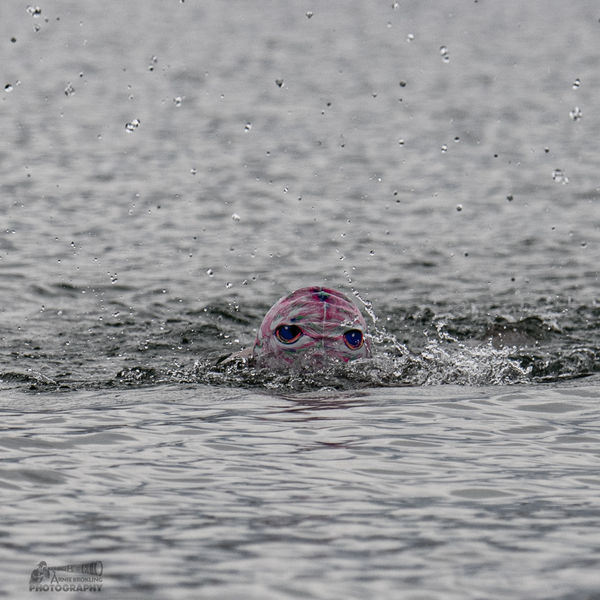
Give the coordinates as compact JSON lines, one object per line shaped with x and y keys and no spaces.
{"x":393,"y":364}
{"x":576,"y":114}
{"x":367,"y":304}
{"x":441,"y":359}
{"x":34,"y":11}
{"x":131,"y":126}
{"x":559,"y":176}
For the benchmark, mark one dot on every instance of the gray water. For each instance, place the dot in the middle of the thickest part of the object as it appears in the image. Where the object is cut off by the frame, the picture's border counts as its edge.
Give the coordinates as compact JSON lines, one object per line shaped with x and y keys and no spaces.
{"x":169,"y":169}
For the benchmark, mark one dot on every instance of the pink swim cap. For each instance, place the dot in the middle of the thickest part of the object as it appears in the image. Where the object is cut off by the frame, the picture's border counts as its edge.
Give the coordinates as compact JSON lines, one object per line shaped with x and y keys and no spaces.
{"x":311,"y":326}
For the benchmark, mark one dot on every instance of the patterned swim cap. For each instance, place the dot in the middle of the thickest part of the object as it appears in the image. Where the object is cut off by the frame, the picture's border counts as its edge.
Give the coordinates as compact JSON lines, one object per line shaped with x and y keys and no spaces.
{"x":312,"y":326}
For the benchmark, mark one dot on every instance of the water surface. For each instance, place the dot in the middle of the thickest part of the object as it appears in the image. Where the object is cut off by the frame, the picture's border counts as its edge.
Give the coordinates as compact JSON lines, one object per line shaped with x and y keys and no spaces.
{"x":168,"y":170}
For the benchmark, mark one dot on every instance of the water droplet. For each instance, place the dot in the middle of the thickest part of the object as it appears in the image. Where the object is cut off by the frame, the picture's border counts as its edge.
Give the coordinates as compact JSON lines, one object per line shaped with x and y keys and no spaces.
{"x":444,"y":148}
{"x":132,"y":125}
{"x":576,"y":83}
{"x":8,"y":87}
{"x":309,"y":14}
{"x":236,"y":218}
{"x":193,"y":171}
{"x":456,"y":140}
{"x":559,"y":177}
{"x":459,"y":207}
{"x":444,"y":53}
{"x":403,"y":83}
{"x":410,"y":37}
{"x":34,"y":11}
{"x":210,"y":272}
{"x":13,"y":39}
{"x":69,"y":90}
{"x":248,"y":126}
{"x":395,"y":5}
{"x":153,"y":61}
{"x":371,"y":252}
{"x":178,"y":101}
{"x":279,"y":82}
{"x":576,"y":113}
{"x":509,"y":197}
{"x":401,"y":142}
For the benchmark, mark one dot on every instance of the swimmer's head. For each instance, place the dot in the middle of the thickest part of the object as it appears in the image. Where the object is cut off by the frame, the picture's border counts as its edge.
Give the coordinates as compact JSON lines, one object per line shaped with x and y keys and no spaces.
{"x":312,"y":326}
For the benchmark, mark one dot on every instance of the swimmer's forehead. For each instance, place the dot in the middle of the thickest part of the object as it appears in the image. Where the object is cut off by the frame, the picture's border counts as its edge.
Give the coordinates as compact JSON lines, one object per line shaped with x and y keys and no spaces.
{"x":316,"y":309}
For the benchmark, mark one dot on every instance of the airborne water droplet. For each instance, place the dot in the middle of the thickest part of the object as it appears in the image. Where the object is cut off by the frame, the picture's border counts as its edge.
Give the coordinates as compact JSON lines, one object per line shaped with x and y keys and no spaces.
{"x":410,"y":37}
{"x":444,"y":148}
{"x":309,"y":14}
{"x":178,"y":101}
{"x":576,"y":113}
{"x":559,"y":177}
{"x":248,"y":126}
{"x":69,"y":90}
{"x":8,"y":87}
{"x":576,"y":83}
{"x":444,"y":53}
{"x":236,"y":218}
{"x":459,"y":207}
{"x":132,"y":125}
{"x":210,"y":272}
{"x":279,"y":82}
{"x":34,"y":11}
